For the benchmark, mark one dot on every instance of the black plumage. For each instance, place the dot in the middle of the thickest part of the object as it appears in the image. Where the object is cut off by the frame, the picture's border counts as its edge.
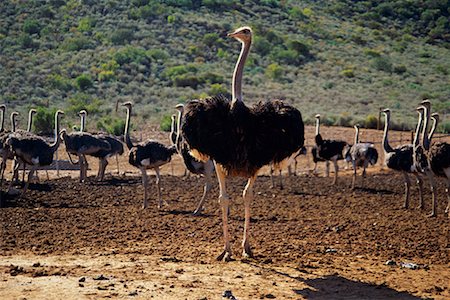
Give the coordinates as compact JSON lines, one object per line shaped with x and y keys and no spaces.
{"x":243,"y":139}
{"x":147,"y":155}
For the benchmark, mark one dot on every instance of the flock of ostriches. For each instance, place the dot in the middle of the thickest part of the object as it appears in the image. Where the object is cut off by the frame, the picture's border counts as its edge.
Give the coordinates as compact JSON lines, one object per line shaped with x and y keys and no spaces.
{"x":227,"y":137}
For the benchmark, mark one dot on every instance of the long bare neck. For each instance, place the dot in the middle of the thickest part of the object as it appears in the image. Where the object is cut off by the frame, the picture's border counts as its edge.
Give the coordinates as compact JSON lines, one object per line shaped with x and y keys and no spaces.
{"x":317,"y":126}
{"x":433,"y":129}
{"x":178,"y":141}
{"x":356,"y":135}
{"x":127,"y":129}
{"x":57,"y":141}
{"x":30,"y":121}
{"x":386,"y":147}
{"x":425,"y":140}
{"x":238,"y":71}
{"x":13,"y":122}
{"x":2,"y":124}
{"x":417,"y":133}
{"x":172,"y":125}
{"x":83,"y":123}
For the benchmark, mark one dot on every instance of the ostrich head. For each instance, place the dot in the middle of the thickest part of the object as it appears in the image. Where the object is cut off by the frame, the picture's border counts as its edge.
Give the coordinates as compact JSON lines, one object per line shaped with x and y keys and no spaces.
{"x":386,"y":111}
{"x":243,"y":34}
{"x":2,"y":107}
{"x":180,"y":107}
{"x":317,"y":116}
{"x":128,"y":104}
{"x":426,"y":103}
{"x":32,"y":111}
{"x":435,"y":116}
{"x":82,"y":113}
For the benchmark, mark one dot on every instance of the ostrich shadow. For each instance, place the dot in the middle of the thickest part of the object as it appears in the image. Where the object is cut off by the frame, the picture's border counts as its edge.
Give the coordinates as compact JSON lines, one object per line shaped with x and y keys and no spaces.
{"x":339,"y":288}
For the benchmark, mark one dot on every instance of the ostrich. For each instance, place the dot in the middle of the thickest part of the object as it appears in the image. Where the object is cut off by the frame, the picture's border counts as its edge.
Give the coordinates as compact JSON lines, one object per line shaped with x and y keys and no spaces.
{"x":82,"y":144}
{"x":272,"y":167}
{"x":240,"y":139}
{"x":6,"y":150}
{"x":148,"y":155}
{"x":206,"y":169}
{"x":34,"y":150}
{"x":173,"y":135}
{"x":400,"y":158}
{"x":361,"y":154}
{"x":329,"y":150}
{"x":115,"y":148}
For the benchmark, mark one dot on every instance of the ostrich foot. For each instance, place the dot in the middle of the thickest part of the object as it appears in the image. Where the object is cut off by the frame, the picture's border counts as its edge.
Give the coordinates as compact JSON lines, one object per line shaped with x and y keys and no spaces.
{"x":225,"y":256}
{"x":162,"y":203}
{"x":420,"y":206}
{"x":431,"y":215}
{"x":247,"y":253}
{"x":198,"y":212}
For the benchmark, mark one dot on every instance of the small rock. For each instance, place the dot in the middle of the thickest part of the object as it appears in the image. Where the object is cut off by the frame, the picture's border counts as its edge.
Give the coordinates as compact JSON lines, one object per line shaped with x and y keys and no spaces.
{"x":133,"y":293}
{"x":81,"y":285}
{"x":270,"y":296}
{"x":101,"y":277}
{"x":102,"y":288}
{"x":390,"y":263}
{"x":82,"y":279}
{"x":331,"y":250}
{"x":411,"y":266}
{"x":36,"y":265}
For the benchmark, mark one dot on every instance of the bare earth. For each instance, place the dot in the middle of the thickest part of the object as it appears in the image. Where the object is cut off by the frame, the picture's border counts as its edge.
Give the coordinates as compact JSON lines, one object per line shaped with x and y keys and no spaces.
{"x":67,"y":240}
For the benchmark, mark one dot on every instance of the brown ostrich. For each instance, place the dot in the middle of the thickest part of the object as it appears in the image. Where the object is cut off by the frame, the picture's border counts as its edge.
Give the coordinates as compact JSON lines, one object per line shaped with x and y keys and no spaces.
{"x":241,"y":139}
{"x":147,"y":155}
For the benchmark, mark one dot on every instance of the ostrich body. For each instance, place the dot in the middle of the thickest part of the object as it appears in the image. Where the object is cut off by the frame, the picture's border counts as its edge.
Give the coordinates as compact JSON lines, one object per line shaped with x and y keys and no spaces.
{"x":147,"y":155}
{"x":34,"y":150}
{"x":240,"y":139}
{"x":115,"y":148}
{"x":82,"y":144}
{"x":361,"y":155}
{"x":193,"y":165}
{"x":434,"y":160}
{"x":329,"y":150}
{"x":400,"y":158}
{"x":317,"y":159}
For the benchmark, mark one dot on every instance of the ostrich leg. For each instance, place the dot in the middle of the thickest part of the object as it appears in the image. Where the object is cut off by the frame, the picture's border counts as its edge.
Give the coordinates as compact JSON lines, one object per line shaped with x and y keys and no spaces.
{"x":81,"y":163}
{"x":447,"y":174}
{"x":363,"y":175}
{"x":336,"y":169}
{"x":145,"y":184}
{"x":15,"y":175}
{"x":30,"y":176}
{"x":433,"y":193}
{"x":207,"y":188}
{"x":271,"y":176}
{"x":420,"y":184}
{"x":281,"y":180}
{"x":407,"y":185}
{"x":117,"y":161}
{"x":158,"y":184}
{"x":224,"y":201}
{"x":354,"y":174}
{"x":248,"y":197}
{"x":327,"y":168}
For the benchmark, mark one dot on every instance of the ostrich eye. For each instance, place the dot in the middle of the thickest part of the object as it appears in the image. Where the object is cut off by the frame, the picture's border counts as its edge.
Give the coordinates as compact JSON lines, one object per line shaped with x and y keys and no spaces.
{"x":246,"y":31}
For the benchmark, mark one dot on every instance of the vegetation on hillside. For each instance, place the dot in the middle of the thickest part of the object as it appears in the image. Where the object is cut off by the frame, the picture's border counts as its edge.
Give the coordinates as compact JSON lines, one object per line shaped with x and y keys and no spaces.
{"x":344,"y":59}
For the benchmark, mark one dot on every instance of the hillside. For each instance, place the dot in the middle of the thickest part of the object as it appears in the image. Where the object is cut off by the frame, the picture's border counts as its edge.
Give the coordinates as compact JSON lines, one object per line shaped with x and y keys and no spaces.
{"x":344,"y":59}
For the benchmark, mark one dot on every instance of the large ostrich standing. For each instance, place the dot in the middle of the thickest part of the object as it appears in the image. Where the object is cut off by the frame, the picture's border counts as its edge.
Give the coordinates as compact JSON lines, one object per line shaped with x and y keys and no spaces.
{"x":206,"y":169}
{"x":329,"y":150}
{"x":240,"y":139}
{"x":361,"y":154}
{"x":147,"y":155}
{"x":116,"y":148}
{"x":400,"y":158}
{"x":82,"y":144}
{"x":34,"y":150}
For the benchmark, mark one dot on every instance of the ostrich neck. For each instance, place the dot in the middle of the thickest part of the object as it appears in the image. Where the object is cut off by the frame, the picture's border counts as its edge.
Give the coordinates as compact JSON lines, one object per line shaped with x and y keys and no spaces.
{"x":55,"y":145}
{"x":178,"y":140}
{"x":425,"y":140}
{"x":2,"y":124}
{"x":13,"y":123}
{"x":83,"y":123}
{"x":356,"y":135}
{"x":433,"y":129}
{"x":317,"y":126}
{"x":238,"y":71}
{"x":127,"y":129}
{"x":30,"y":121}
{"x":419,"y":125}
{"x":386,"y":147}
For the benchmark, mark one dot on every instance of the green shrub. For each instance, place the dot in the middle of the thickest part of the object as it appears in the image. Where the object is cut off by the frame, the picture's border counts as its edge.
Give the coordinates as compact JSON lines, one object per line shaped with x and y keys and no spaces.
{"x":347,"y":73}
{"x":372,"y":52}
{"x":344,"y":120}
{"x":382,"y":63}
{"x":85,"y":25}
{"x":157,"y":54}
{"x":289,"y":57}
{"x":31,"y":26}
{"x":217,"y":89}
{"x":210,"y":39}
{"x":130,"y":54}
{"x":81,"y":101}
{"x":187,"y":80}
{"x":371,"y":121}
{"x":165,"y":123}
{"x":299,"y":47}
{"x":399,"y":69}
{"x":261,"y":45}
{"x":115,"y":126}
{"x":76,"y":44}
{"x":44,"y":121}
{"x":26,"y":41}
{"x":59,"y":82}
{"x":106,"y":75}
{"x":83,"y":82}
{"x":274,"y":71}
{"x":122,"y":36}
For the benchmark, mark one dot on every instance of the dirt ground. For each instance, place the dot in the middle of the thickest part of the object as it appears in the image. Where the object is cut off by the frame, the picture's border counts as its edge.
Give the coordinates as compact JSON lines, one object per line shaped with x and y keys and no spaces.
{"x":311,"y":240}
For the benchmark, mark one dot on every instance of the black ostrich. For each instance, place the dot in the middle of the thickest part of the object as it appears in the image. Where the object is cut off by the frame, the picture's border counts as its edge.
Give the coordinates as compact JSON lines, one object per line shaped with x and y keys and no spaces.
{"x":193,"y":165}
{"x":34,"y":150}
{"x":361,"y":155}
{"x":240,"y":139}
{"x":115,"y":148}
{"x":400,"y":158}
{"x":329,"y":150}
{"x":147,"y":155}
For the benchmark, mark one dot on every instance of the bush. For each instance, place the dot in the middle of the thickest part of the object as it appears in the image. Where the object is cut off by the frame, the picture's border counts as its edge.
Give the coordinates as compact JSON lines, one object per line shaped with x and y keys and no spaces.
{"x":130,"y":54}
{"x":261,"y":45}
{"x":83,"y":101}
{"x":31,"y":26}
{"x":210,"y":39}
{"x":217,"y":89}
{"x":115,"y":126}
{"x":122,"y":36}
{"x":157,"y":54}
{"x":44,"y":121}
{"x":274,"y":71}
{"x":371,"y":122}
{"x":347,"y":73}
{"x":76,"y":44}
{"x":299,"y":47}
{"x":399,"y":69}
{"x":165,"y":123}
{"x":59,"y":82}
{"x":344,"y":120}
{"x":84,"y":81}
{"x":382,"y":63}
